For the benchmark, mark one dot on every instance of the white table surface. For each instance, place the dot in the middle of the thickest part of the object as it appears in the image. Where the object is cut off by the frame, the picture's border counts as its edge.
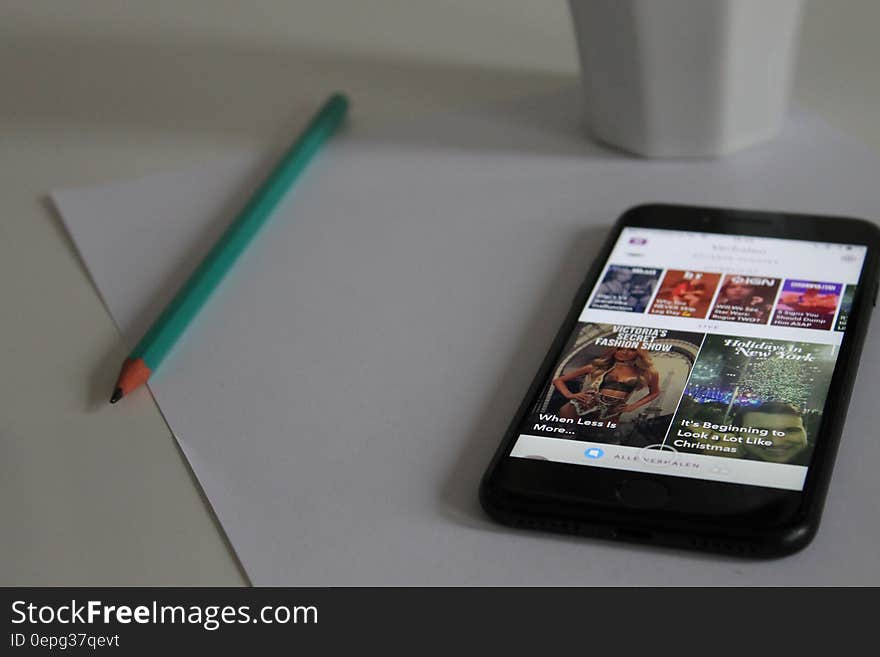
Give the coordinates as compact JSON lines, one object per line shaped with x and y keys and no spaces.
{"x":99,"y":90}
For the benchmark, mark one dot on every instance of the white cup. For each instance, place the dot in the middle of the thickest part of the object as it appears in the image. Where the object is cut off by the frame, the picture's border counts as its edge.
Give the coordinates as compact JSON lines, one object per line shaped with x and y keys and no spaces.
{"x":686,"y":78}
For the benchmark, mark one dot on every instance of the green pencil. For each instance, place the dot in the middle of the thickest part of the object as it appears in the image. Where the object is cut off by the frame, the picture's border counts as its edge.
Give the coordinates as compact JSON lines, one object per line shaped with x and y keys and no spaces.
{"x":172,"y":322}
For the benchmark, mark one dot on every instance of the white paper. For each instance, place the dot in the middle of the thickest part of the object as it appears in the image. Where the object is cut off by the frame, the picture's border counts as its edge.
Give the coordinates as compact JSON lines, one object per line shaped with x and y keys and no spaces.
{"x":342,"y":393}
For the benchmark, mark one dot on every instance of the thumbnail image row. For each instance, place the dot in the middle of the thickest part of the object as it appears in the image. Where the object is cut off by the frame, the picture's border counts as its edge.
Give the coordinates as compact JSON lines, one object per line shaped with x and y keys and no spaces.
{"x":741,"y":298}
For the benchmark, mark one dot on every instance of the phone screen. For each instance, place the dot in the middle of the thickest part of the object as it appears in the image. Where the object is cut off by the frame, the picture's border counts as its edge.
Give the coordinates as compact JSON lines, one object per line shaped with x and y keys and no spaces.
{"x":699,"y":355}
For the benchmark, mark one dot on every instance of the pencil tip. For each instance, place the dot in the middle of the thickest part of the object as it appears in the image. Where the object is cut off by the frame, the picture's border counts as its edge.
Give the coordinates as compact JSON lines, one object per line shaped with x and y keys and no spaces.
{"x":117,"y":395}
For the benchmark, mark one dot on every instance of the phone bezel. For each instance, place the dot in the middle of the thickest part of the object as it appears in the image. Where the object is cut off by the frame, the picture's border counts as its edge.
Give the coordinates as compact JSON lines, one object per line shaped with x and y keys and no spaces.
{"x":701,"y":514}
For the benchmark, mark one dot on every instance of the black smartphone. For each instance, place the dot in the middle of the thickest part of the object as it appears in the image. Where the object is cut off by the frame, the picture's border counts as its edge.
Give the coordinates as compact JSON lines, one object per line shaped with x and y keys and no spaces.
{"x":696,"y":393}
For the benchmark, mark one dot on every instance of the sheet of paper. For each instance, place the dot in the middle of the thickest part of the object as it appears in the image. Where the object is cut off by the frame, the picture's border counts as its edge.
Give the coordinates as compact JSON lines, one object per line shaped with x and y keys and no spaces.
{"x":342,"y":393}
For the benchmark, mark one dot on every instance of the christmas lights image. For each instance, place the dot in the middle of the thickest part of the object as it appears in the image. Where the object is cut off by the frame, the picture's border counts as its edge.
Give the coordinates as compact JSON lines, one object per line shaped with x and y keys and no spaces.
{"x":615,"y":384}
{"x":756,"y":399}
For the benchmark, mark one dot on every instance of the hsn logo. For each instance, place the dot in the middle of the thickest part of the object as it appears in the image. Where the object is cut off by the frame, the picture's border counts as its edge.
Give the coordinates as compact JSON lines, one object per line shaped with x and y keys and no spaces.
{"x":594,"y":453}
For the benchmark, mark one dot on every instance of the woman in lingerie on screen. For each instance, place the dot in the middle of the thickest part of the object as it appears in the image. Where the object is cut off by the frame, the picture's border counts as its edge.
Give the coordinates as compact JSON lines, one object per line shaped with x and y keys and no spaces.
{"x":610,"y":381}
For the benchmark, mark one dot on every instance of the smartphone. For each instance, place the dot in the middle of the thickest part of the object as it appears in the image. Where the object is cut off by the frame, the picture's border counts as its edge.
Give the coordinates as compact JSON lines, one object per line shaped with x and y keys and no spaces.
{"x":696,"y":392}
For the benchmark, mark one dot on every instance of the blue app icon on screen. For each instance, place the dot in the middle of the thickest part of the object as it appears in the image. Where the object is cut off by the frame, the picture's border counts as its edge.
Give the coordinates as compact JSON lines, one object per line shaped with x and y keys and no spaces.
{"x":594,"y":452}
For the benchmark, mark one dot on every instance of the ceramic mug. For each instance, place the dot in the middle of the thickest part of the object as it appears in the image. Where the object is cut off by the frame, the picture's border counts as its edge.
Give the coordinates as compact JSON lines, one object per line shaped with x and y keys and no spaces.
{"x":686,"y":78}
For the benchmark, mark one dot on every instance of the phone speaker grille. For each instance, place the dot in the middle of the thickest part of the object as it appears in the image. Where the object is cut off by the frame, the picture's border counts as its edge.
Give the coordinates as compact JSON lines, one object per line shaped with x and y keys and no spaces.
{"x":568,"y":527}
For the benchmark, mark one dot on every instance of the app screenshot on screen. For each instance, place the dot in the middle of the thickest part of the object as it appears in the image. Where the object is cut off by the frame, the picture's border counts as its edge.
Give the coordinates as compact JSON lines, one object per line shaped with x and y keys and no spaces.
{"x":699,"y":355}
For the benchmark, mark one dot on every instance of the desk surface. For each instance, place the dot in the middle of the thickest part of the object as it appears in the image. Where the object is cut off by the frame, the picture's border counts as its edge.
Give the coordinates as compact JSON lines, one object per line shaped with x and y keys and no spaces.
{"x":99,"y":495}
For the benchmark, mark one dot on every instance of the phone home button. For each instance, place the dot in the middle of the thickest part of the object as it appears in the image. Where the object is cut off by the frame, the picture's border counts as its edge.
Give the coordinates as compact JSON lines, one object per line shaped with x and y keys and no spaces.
{"x":643,"y":494}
